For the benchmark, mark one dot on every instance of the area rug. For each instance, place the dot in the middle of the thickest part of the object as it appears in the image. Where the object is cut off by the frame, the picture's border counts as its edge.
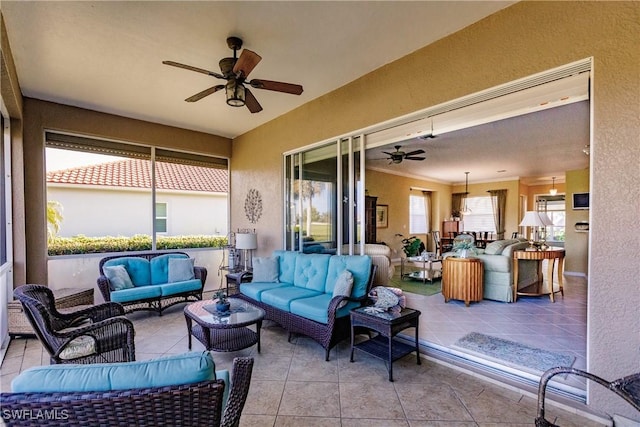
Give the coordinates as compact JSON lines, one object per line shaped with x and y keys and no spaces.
{"x":510,"y":353}
{"x":416,"y":286}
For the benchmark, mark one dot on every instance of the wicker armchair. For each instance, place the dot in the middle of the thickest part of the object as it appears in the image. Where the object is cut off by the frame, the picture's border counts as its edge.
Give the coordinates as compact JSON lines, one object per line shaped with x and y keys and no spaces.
{"x":198,"y":404}
{"x":627,"y":387}
{"x":90,"y":335}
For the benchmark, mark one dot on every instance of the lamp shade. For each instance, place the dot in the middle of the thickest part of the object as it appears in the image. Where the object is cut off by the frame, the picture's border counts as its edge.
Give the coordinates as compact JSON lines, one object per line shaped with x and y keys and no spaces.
{"x":246,"y":241}
{"x":534,"y":219}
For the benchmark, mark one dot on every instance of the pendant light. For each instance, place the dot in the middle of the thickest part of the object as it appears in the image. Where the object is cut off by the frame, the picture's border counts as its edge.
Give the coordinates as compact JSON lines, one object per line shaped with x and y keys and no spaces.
{"x":553,"y":190}
{"x":465,"y":209}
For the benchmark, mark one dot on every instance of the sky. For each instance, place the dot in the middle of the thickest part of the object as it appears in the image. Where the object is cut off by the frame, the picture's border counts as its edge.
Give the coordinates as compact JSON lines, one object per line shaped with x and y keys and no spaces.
{"x":64,"y":159}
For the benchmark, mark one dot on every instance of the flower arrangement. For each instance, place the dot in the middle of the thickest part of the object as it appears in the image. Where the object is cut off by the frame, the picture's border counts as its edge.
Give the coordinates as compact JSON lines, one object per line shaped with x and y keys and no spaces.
{"x":221,"y":300}
{"x":464,"y":248}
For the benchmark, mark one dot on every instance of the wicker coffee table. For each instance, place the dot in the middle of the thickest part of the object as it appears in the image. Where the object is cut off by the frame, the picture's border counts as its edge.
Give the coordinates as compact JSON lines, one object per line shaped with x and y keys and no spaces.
{"x":224,"y":331}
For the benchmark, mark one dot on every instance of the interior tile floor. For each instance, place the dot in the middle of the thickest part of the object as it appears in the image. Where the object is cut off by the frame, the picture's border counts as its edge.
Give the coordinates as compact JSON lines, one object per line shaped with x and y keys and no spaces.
{"x":292,"y":385}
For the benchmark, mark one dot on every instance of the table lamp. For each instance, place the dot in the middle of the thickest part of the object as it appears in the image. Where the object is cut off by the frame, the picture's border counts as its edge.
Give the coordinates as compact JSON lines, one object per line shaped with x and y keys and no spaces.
{"x":535,"y":219}
{"x":246,"y":242}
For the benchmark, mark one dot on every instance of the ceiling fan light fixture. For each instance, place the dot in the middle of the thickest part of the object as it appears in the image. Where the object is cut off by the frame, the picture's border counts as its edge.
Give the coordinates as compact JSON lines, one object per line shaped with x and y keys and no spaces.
{"x":465,"y":208}
{"x":235,"y":93}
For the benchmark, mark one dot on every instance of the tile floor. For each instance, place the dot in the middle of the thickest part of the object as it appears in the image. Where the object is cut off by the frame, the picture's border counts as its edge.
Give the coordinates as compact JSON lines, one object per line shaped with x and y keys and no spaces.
{"x":292,"y":385}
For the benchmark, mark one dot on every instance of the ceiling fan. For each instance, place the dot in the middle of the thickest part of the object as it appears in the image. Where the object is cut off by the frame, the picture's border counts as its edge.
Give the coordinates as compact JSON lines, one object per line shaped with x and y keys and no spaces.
{"x":235,"y":71}
{"x":398,"y":156}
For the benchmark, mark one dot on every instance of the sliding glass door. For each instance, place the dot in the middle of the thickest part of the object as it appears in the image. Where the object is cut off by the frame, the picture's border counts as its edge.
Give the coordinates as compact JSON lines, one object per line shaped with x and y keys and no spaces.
{"x":323,"y":188}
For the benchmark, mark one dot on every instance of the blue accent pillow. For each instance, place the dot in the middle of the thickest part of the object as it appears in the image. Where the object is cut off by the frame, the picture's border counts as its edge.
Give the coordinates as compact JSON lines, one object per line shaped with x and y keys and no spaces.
{"x":343,"y":286}
{"x":265,"y":269}
{"x":180,"y":269}
{"x":118,"y":277}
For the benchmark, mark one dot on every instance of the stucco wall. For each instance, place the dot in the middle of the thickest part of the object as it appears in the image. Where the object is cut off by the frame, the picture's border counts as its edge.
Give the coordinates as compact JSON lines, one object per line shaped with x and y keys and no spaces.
{"x":526,"y":38}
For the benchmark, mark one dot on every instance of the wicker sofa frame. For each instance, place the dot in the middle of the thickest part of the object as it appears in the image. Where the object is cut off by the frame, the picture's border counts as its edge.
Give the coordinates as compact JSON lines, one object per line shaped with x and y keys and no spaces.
{"x":153,"y":304}
{"x":327,"y":335}
{"x":198,"y":404}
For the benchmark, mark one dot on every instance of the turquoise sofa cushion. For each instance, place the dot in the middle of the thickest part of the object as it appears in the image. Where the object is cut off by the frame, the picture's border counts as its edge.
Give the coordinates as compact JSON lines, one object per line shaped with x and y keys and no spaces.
{"x":137,"y":293}
{"x":358,"y":265}
{"x":316,"y":308}
{"x":282,"y":297}
{"x":159,"y":267}
{"x":311,"y":271}
{"x":186,"y":368}
{"x":286,"y":265}
{"x":178,"y":287}
{"x":255,"y":290}
{"x":138,"y":269}
{"x":180,"y":269}
{"x":265,"y":269}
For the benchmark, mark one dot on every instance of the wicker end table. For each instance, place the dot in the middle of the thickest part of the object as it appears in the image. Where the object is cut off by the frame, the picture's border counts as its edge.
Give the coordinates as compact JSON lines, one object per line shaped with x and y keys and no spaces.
{"x":388,"y":325}
{"x":67,"y":299}
{"x":224,"y":331}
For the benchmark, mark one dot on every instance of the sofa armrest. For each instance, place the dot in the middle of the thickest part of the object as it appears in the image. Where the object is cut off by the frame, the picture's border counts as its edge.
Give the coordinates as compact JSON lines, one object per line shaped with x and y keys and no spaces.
{"x":200,"y":273}
{"x":103,"y":286}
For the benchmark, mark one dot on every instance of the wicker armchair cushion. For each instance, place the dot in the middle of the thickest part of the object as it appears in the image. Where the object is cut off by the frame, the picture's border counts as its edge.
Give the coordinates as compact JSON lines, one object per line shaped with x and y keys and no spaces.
{"x":118,"y":277}
{"x":265,"y":269}
{"x":180,"y":269}
{"x":173,"y":370}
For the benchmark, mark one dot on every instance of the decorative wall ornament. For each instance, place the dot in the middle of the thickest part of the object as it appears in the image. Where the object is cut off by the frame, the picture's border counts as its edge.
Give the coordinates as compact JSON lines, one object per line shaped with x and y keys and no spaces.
{"x":253,"y":205}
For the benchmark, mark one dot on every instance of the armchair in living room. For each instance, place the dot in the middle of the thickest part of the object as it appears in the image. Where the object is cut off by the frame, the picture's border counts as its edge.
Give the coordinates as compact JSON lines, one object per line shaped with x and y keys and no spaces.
{"x":380,"y":257}
{"x":99,"y":333}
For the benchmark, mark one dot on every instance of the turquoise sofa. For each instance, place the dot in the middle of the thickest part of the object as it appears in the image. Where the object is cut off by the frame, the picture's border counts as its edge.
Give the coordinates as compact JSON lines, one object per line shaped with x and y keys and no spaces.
{"x":299,"y":292}
{"x":182,"y":389}
{"x":151,"y":280}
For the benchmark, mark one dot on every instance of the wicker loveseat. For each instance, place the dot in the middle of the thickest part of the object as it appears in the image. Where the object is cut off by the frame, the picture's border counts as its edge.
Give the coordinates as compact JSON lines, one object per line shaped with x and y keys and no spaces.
{"x":153,"y":284}
{"x":179,"y":390}
{"x":299,"y":294}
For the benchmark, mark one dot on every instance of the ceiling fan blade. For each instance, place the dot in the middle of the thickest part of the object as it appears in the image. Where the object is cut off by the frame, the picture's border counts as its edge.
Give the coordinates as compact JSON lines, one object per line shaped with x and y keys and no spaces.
{"x":276,"y":86}
{"x":246,"y":63}
{"x":251,"y":102}
{"x":196,"y":69}
{"x":198,"y":96}
{"x":413,"y":153}
{"x":415,"y":158}
{"x":390,"y":154}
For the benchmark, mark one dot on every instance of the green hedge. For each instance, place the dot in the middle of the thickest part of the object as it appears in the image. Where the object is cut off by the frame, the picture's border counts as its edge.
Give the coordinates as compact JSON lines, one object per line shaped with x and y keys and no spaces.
{"x":90,"y":245}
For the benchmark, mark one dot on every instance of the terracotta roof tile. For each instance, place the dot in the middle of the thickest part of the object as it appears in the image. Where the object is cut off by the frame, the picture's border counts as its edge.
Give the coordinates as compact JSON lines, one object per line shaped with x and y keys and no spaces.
{"x":136,"y":173}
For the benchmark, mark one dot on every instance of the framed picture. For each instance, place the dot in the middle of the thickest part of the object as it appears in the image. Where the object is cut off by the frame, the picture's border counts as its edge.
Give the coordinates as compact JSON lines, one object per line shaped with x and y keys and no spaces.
{"x":382,"y":216}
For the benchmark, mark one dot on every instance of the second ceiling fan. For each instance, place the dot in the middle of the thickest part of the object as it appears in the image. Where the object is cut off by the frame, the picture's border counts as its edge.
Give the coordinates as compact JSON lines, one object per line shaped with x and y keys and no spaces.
{"x":235,"y":71}
{"x":398,"y":156}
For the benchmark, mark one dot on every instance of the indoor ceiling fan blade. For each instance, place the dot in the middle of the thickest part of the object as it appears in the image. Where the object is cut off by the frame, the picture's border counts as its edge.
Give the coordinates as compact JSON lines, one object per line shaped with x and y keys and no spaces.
{"x":251,"y":102}
{"x":413,"y":153}
{"x":415,"y":158}
{"x":196,"y":69}
{"x":390,"y":154}
{"x":276,"y":86}
{"x":198,"y":96}
{"x":246,"y":63}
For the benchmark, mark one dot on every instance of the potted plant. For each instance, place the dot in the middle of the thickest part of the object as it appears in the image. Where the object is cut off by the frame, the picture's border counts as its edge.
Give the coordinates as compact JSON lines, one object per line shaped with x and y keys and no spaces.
{"x":464,"y":248}
{"x":412,"y":246}
{"x":221,"y":300}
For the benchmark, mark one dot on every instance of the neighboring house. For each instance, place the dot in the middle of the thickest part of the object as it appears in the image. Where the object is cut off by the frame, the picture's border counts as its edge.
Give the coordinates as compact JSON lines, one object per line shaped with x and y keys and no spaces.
{"x":114,"y":199}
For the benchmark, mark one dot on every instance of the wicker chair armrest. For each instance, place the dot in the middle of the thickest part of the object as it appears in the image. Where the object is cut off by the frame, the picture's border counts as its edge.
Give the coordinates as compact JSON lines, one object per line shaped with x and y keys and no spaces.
{"x":103,"y":285}
{"x":100,"y":312}
{"x":240,"y":381}
{"x":200,"y":273}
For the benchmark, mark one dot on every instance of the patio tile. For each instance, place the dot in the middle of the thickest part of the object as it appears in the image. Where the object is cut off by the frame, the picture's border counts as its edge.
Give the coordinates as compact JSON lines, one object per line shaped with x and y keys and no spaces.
{"x":310,"y":399}
{"x":424,"y":402}
{"x":370,"y":400}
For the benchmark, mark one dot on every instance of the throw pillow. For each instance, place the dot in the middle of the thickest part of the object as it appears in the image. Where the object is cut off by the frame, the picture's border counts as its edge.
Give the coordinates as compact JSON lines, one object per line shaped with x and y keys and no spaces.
{"x":265,"y":269}
{"x":180,"y":269}
{"x":343,"y":286}
{"x":118,"y":277}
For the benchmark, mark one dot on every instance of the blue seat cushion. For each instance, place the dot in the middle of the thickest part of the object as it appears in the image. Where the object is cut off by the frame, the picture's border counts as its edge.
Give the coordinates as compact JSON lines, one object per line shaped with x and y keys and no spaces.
{"x":316,"y":308}
{"x":159,"y":267}
{"x":137,"y":293}
{"x":255,"y":290}
{"x":186,"y":368}
{"x":179,"y":287}
{"x":282,"y":297}
{"x":138,"y":268}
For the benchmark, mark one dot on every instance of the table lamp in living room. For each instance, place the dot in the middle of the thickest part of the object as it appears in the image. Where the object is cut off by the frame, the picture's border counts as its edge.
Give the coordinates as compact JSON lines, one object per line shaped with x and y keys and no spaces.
{"x":537,"y":220}
{"x":246,"y":242}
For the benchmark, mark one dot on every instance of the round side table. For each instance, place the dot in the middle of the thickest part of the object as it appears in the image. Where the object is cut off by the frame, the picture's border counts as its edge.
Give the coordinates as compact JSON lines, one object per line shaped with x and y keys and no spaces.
{"x":462,"y":279}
